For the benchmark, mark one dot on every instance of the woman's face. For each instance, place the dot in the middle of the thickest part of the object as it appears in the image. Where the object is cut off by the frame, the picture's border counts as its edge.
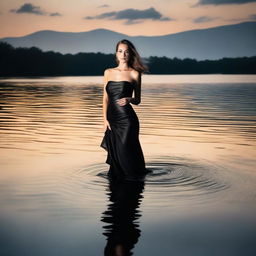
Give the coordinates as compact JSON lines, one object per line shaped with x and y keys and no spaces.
{"x":122,"y":53}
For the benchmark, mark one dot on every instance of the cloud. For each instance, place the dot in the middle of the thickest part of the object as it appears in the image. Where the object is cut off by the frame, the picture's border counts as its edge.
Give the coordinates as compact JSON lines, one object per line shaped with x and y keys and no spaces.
{"x":132,"y":16}
{"x":202,"y":19}
{"x":103,"y":6}
{"x":29,"y":8}
{"x":222,"y":2}
{"x":55,"y":14}
{"x":32,"y":9}
{"x":252,"y":16}
{"x":132,"y":22}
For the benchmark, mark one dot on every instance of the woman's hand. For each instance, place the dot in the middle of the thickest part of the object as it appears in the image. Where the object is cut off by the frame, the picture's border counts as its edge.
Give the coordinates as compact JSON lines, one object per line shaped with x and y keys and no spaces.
{"x":123,"y":101}
{"x":106,"y":125}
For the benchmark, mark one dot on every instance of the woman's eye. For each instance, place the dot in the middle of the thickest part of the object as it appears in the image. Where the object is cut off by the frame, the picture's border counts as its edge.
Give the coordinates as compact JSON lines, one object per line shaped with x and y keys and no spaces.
{"x":120,"y":51}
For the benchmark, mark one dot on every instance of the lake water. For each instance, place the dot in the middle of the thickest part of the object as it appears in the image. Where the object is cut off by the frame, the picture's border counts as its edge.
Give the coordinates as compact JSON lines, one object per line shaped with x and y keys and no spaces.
{"x":198,"y":135}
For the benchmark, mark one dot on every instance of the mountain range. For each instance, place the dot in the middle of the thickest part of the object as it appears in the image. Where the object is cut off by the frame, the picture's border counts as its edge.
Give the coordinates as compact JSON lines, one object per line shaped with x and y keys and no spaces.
{"x":236,"y":40}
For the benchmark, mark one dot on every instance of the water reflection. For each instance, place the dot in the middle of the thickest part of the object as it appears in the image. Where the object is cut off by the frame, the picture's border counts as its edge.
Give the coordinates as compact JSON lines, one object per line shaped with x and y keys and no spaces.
{"x":122,"y":229}
{"x":198,"y":137}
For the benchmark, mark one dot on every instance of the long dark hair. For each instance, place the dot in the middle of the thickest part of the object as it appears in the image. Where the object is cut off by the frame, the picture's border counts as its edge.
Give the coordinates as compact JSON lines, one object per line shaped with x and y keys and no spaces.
{"x":134,"y":57}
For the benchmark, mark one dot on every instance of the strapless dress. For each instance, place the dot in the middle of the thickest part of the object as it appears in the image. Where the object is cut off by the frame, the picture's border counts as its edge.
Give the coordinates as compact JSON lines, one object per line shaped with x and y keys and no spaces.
{"x":124,"y":152}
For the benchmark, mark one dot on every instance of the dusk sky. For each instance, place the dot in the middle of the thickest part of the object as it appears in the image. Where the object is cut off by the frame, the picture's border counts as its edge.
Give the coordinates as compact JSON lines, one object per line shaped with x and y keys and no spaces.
{"x":155,"y":17}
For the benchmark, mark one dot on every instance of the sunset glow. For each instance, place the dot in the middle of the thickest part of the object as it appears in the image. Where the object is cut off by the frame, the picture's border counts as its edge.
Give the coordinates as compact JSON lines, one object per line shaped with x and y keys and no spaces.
{"x":157,"y":17}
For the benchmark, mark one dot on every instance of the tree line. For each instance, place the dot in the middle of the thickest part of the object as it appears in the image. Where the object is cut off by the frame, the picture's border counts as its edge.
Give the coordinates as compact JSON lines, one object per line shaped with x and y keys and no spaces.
{"x":33,"y":61}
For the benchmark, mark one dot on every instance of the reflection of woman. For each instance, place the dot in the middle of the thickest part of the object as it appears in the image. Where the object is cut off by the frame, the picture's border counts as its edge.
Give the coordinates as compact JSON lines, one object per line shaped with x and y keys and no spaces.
{"x":121,"y":124}
{"x":122,"y":232}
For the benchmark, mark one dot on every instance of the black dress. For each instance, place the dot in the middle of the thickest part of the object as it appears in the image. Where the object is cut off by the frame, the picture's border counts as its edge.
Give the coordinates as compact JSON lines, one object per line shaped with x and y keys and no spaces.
{"x":125,"y":155}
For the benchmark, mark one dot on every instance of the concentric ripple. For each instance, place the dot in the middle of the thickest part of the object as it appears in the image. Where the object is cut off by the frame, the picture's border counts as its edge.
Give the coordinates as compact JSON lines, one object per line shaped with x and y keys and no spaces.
{"x":169,"y":180}
{"x":171,"y":183}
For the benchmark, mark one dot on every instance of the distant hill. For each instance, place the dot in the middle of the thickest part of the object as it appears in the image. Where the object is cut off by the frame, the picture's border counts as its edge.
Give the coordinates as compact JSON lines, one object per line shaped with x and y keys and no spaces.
{"x":237,"y":40}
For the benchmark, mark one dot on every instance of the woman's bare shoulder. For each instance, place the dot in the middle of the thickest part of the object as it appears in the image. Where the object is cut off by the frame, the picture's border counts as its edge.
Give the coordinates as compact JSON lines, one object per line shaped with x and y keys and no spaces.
{"x":109,"y":70}
{"x":135,"y":75}
{"x":108,"y":73}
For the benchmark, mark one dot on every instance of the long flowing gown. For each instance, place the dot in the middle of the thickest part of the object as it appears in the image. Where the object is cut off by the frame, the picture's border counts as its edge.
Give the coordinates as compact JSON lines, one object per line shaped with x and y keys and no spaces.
{"x":124,"y":153}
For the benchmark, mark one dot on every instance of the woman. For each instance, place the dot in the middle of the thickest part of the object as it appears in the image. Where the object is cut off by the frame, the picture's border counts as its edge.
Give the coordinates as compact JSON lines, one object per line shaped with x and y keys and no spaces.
{"x":121,"y":124}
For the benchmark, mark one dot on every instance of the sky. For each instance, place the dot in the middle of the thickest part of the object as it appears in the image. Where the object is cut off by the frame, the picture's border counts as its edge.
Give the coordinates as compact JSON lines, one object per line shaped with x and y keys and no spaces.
{"x":130,"y":17}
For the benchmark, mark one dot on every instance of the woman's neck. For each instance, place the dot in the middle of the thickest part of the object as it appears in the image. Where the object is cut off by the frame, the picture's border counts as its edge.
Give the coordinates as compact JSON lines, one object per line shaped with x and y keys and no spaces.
{"x":123,"y":67}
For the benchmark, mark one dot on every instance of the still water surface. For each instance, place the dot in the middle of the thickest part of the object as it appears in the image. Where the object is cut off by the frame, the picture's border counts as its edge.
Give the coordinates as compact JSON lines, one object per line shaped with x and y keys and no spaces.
{"x":198,"y":137}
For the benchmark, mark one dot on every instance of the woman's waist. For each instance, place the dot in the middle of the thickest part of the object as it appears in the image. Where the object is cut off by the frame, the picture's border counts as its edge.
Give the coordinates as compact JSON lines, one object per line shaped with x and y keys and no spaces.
{"x":114,"y":104}
{"x":113,"y":98}
{"x":126,"y":110}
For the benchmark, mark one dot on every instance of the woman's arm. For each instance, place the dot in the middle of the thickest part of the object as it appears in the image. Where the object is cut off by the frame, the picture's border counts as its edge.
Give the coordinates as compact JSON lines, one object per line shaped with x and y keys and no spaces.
{"x":137,"y":91}
{"x":105,"y":101}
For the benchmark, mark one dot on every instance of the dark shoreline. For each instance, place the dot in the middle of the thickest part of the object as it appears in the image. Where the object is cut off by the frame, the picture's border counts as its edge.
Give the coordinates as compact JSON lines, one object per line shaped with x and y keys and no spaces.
{"x":33,"y":62}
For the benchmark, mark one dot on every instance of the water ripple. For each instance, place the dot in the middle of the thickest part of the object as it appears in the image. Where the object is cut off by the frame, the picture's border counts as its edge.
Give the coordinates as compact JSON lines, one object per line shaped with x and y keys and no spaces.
{"x":78,"y":192}
{"x":39,"y":111}
{"x":182,"y":178}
